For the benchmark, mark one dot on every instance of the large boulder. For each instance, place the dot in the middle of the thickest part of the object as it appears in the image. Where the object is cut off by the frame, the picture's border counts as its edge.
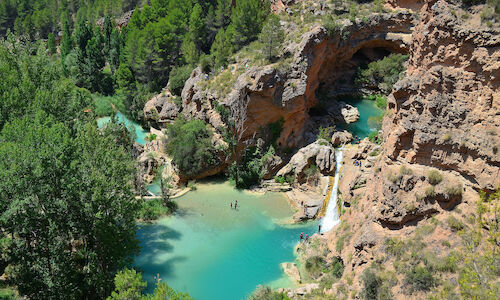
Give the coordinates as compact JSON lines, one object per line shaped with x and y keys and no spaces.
{"x":341,"y":137}
{"x":161,"y":109}
{"x":320,"y":153}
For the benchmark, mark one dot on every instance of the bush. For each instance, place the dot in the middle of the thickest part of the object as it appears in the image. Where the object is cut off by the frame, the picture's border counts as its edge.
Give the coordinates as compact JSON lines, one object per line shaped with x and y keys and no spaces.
{"x":371,"y":284}
{"x":382,"y":74}
{"x":403,"y":170}
{"x":152,"y":210}
{"x":315,"y":266}
{"x":206,"y":64}
{"x":434,"y":177}
{"x":189,"y":144}
{"x":419,"y":278}
{"x":429,"y":191}
{"x":104,"y":105}
{"x":455,"y":224}
{"x":178,"y":77}
{"x":266,"y":293}
{"x":455,"y":190}
{"x":381,"y":102}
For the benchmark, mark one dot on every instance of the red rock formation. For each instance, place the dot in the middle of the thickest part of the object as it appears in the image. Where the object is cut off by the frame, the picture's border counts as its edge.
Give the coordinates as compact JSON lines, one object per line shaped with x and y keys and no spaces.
{"x":445,"y":113}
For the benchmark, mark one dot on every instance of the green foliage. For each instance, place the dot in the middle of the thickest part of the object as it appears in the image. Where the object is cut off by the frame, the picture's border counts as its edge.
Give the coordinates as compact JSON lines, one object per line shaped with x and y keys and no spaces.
{"x":371,"y":284}
{"x":275,"y":129}
{"x":152,"y":210}
{"x":51,"y":44}
{"x":129,"y":285}
{"x":325,"y":133}
{"x":178,"y":77}
{"x":189,"y":144}
{"x":374,"y":137}
{"x":86,"y":204}
{"x":420,"y":278}
{"x":429,"y":191}
{"x":404,"y":170}
{"x":249,"y":170}
{"x":454,"y":190}
{"x":381,"y":102}
{"x":455,"y":224}
{"x":272,"y":37}
{"x":206,"y":64}
{"x":266,"y":293}
{"x":382,"y":74}
{"x":317,"y":266}
{"x":247,"y":19}
{"x":434,"y":177}
{"x":104,"y":105}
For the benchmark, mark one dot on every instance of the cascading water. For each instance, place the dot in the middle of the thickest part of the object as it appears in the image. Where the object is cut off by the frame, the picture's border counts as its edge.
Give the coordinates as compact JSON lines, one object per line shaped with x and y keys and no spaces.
{"x":331,"y":217}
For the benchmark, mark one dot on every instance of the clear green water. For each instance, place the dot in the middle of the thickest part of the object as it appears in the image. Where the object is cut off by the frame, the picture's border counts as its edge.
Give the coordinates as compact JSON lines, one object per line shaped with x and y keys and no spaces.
{"x":367,"y":112}
{"x":139,"y":131}
{"x":214,"y":252}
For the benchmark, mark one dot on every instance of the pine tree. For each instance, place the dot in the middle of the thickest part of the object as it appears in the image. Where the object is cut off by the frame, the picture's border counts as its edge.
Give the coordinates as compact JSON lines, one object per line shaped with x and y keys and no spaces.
{"x":247,"y":19}
{"x":51,"y":44}
{"x":272,"y":36}
{"x":197,"y":28}
{"x":67,"y":41}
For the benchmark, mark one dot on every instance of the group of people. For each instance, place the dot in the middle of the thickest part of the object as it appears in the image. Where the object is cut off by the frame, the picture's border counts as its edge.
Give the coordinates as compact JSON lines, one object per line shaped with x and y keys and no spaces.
{"x":357,"y":163}
{"x":235,"y":204}
{"x":356,"y":139}
{"x":307,"y":236}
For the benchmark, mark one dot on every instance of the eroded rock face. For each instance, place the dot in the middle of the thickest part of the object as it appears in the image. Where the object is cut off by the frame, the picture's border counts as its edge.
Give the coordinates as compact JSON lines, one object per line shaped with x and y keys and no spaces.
{"x":161,"y":109}
{"x":268,"y":94}
{"x":320,"y":153}
{"x":341,"y":137}
{"x":445,"y":110}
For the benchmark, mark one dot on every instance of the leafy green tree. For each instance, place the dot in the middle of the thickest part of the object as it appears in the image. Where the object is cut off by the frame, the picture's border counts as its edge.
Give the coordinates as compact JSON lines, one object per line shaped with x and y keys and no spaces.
{"x":178,"y":77}
{"x":128,"y":285}
{"x":51,"y":44}
{"x":272,"y":37}
{"x":189,"y":144}
{"x":382,"y":74}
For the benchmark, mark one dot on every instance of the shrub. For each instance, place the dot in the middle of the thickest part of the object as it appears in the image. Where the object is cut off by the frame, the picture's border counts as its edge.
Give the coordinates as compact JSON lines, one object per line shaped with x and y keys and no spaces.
{"x":189,"y":144}
{"x":178,"y":77}
{"x":325,"y":133}
{"x":429,"y":191}
{"x":381,"y":102}
{"x":455,"y":190}
{"x":315,"y":266}
{"x":371,"y":284}
{"x":275,"y":129}
{"x":206,"y":64}
{"x":419,"y":278}
{"x":395,"y":246}
{"x":434,"y":177}
{"x":104,"y":105}
{"x":266,"y":293}
{"x":455,"y":224}
{"x":152,"y":210}
{"x":403,"y":170}
{"x":446,"y":137}
{"x":382,"y":74}
{"x":279,"y":179}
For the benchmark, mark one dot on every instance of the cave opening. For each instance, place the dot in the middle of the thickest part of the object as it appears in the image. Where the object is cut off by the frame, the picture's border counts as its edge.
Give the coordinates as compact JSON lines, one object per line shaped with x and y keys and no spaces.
{"x":338,"y":91}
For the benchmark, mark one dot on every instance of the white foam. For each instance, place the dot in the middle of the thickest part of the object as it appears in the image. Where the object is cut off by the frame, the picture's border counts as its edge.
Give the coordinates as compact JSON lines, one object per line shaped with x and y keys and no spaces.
{"x":331,"y":217}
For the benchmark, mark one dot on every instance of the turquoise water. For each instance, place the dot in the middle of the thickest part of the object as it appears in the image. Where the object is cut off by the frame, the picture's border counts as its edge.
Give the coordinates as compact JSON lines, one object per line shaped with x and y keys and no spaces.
{"x":139,"y":131}
{"x":214,"y":252}
{"x":367,"y":111}
{"x":155,"y":186}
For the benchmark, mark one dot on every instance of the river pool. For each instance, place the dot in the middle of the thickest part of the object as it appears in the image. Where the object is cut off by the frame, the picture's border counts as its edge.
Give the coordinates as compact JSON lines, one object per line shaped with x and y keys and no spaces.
{"x":368,"y":112}
{"x":214,"y":252}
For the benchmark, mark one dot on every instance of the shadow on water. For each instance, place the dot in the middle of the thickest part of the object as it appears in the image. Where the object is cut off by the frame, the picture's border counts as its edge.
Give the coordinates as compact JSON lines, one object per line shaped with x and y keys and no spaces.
{"x":168,"y":268}
{"x":156,"y":236}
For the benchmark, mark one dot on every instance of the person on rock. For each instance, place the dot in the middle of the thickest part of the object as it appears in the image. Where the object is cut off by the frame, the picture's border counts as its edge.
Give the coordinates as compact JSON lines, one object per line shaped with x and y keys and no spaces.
{"x":307,"y":237}
{"x":231,"y":205}
{"x":319,"y":228}
{"x":301,"y":236}
{"x":236,"y":204}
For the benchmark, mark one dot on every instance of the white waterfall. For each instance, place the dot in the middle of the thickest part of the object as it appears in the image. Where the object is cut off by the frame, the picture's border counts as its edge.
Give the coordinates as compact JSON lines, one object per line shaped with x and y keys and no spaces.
{"x":331,"y":217}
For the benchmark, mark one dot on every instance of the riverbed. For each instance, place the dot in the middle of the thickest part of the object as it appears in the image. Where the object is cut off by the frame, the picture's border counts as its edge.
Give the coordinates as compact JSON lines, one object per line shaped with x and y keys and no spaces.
{"x":214,"y":252}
